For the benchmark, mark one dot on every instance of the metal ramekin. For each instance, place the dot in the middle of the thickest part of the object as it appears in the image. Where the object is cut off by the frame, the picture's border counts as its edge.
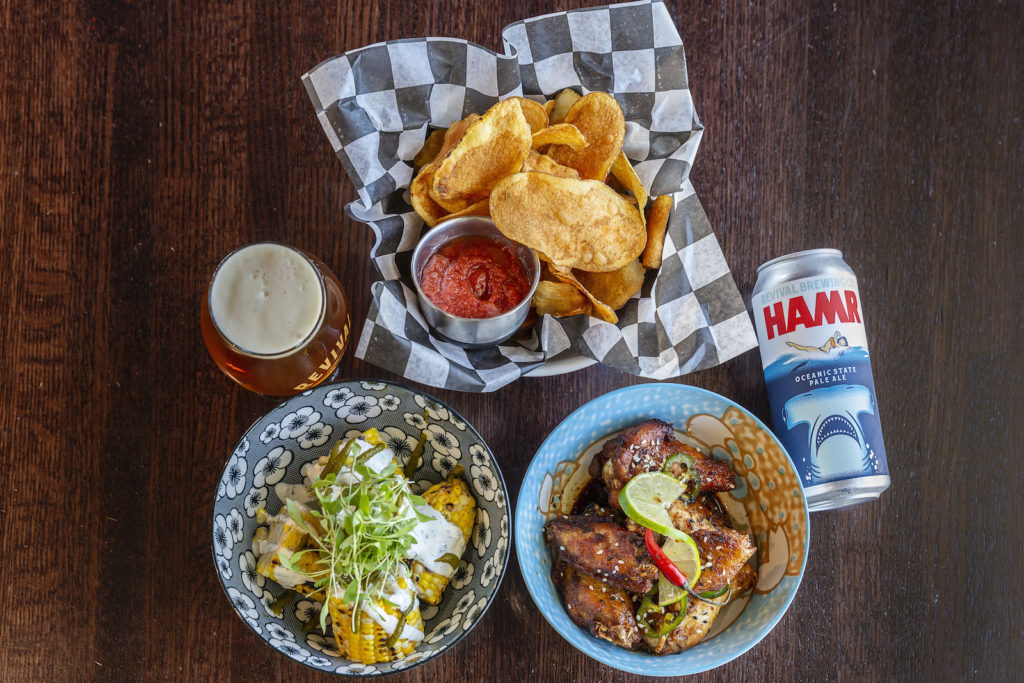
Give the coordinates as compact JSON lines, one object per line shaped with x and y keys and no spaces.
{"x":473,"y":332}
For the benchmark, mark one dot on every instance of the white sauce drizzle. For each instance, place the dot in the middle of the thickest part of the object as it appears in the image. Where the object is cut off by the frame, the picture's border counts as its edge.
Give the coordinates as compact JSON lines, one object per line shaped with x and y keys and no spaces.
{"x":434,"y":539}
{"x":296,"y":492}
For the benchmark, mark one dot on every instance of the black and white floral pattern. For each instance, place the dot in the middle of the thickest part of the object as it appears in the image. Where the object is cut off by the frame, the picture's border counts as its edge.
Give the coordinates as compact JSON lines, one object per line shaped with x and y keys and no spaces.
{"x":318,"y":661}
{"x":275,"y":630}
{"x":316,"y":435}
{"x":243,"y":604}
{"x":443,"y":441}
{"x":484,"y":482}
{"x":463,"y":574}
{"x":251,"y":579}
{"x":389,"y":402}
{"x":290,"y":648}
{"x":464,"y":602}
{"x":254,"y":500}
{"x":443,"y":629}
{"x":358,"y":409}
{"x":489,"y":572}
{"x":234,"y":524}
{"x":336,"y":398}
{"x":322,"y":643}
{"x":400,"y":442}
{"x":481,"y":531}
{"x":279,"y":448}
{"x":435,"y":410}
{"x":223,"y":540}
{"x":295,"y":424}
{"x":233,"y":480}
{"x":270,"y":432}
{"x":354,"y":669}
{"x":473,"y":612}
{"x":415,"y":420}
{"x":306,"y":609}
{"x":270,"y":468}
{"x":443,"y":463}
{"x":224,"y":567}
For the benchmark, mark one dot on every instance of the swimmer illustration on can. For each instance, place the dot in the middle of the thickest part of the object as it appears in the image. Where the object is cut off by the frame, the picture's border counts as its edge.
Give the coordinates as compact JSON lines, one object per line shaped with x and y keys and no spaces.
{"x":818,"y":374}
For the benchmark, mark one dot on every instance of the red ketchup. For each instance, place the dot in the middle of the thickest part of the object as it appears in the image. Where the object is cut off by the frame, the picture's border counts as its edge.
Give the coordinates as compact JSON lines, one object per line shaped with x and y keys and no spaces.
{"x":474,"y":277}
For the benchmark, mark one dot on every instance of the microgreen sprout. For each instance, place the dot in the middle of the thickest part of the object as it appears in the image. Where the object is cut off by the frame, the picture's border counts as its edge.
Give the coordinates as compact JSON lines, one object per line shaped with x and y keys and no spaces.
{"x":365,"y":530}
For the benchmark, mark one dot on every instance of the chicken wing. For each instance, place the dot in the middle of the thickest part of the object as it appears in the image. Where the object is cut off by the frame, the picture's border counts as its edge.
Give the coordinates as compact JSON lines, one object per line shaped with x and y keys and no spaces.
{"x":723,"y":550}
{"x":646,"y":447}
{"x":603,"y":548}
{"x":604,"y":610}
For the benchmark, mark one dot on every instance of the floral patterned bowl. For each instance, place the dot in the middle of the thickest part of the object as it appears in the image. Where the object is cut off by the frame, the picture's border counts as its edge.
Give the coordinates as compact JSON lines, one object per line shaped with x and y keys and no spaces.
{"x":768,"y":502}
{"x":298,"y":431}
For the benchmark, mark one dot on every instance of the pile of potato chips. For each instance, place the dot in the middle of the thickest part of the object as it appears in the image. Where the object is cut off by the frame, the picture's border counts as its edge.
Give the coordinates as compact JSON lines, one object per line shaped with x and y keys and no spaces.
{"x":552,"y":177}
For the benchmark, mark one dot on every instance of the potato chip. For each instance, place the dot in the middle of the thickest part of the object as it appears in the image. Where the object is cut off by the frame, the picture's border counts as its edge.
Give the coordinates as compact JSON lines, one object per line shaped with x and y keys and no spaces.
{"x":542,"y":163}
{"x":563,"y":103}
{"x":480,"y":208}
{"x":534,"y":112}
{"x":428,"y":152}
{"x":419,"y":193}
{"x":623,"y":171}
{"x":559,"y":134}
{"x":614,"y":288}
{"x":599,"y":117}
{"x":576,"y":223}
{"x":493,"y":147}
{"x":657,"y":224}
{"x":560,"y":299}
{"x":549,"y":107}
{"x":599,"y":309}
{"x":453,"y":136}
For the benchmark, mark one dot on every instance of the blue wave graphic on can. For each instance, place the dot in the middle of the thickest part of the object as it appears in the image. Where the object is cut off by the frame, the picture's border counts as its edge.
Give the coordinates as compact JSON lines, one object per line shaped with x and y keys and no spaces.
{"x":827,"y":414}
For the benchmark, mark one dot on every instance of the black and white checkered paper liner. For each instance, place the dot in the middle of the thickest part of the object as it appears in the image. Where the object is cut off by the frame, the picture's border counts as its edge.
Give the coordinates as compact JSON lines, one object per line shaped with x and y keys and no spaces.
{"x":377,"y":104}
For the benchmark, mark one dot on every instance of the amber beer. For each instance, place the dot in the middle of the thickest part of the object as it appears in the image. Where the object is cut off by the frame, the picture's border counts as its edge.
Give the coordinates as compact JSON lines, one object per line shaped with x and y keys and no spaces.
{"x":275,"y":319}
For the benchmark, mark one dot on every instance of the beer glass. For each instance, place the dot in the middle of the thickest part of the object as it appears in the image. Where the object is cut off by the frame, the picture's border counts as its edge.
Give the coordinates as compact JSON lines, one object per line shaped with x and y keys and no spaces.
{"x":275,"y":319}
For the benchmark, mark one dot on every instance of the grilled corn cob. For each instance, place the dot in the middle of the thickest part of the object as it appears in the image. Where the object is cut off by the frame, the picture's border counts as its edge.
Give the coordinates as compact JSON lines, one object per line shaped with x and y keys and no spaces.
{"x":283,"y":539}
{"x":452,"y":499}
{"x":371,"y":643}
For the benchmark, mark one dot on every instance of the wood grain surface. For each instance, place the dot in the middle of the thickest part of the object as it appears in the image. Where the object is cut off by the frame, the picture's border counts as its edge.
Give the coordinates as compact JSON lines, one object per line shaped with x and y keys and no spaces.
{"x":140,"y":142}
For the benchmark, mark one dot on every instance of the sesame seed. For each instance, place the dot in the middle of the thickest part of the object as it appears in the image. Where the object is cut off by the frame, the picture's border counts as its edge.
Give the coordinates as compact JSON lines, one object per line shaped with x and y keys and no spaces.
{"x":599,"y":552}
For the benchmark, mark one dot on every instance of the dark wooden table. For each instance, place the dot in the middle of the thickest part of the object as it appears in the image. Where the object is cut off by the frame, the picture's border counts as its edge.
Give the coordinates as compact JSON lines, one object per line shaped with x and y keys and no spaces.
{"x":140,"y":142}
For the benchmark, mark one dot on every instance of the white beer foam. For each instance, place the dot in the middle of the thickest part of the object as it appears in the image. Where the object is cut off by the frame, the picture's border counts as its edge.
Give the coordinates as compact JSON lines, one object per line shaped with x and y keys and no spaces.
{"x":266,"y":298}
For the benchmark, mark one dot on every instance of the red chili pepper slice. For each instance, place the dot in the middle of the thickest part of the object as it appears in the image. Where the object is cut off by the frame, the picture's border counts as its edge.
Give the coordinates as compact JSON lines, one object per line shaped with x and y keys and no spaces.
{"x":661,"y":561}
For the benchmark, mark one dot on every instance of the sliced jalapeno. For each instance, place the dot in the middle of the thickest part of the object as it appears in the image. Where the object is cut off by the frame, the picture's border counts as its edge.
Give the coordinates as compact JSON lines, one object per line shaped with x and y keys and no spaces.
{"x":647,"y":607}
{"x":393,"y":638}
{"x":450,"y":559}
{"x":690,"y":477}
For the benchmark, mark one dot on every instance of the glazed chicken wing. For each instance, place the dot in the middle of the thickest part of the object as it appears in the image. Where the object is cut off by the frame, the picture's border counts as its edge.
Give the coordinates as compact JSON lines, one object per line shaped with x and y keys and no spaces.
{"x":646,"y":447}
{"x":724,"y":549}
{"x":604,"y":610}
{"x":603,"y":548}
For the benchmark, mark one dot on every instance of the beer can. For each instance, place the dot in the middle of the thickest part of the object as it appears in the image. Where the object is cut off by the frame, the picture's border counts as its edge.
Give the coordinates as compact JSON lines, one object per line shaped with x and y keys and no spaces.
{"x":817,"y":369}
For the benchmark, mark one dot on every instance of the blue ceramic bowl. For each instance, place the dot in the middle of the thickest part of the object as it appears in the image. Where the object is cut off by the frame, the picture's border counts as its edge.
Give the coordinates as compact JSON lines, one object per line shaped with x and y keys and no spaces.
{"x":768,"y":503}
{"x":274,"y":450}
